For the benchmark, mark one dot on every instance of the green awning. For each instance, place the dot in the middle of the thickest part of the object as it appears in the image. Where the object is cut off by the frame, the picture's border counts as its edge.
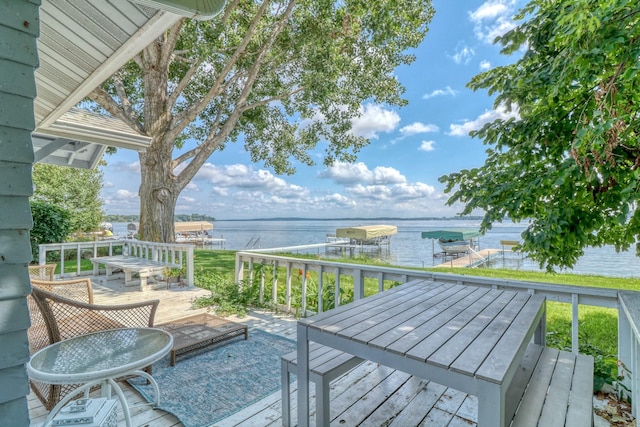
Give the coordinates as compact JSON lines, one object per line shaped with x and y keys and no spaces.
{"x":453,"y":234}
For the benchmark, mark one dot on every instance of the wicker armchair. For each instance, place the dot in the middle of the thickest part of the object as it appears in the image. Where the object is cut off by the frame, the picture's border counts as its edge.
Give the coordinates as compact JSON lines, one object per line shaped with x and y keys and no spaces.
{"x":42,"y":272}
{"x":55,"y":317}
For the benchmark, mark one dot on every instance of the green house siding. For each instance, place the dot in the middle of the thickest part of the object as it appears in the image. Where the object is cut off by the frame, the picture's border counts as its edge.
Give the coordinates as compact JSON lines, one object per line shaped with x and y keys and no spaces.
{"x":19,"y":28}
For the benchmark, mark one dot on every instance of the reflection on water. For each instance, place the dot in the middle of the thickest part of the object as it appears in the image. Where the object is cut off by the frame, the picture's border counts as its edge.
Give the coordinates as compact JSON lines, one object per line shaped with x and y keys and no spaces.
{"x":407,"y":247}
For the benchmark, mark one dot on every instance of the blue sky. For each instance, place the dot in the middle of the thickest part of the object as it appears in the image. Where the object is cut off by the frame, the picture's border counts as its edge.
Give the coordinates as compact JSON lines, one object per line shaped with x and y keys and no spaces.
{"x":397,"y":174}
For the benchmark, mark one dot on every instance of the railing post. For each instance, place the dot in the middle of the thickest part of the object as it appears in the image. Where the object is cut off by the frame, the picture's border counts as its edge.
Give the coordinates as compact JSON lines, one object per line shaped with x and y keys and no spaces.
{"x":239,"y":267}
{"x":358,"y":284}
{"x":274,"y":283}
{"x":262,"y":282}
{"x":190,"y":258}
{"x":625,"y":352}
{"x":78,"y":258}
{"x":304,"y":290}
{"x":320,"y":283}
{"x":61,"y":261}
{"x":574,"y":323}
{"x":336,"y":295}
{"x":251,"y":272}
{"x":287,"y":292}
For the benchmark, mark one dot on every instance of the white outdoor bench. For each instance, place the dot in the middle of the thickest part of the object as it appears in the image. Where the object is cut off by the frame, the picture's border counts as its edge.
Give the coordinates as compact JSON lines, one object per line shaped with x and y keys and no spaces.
{"x":131,"y":264}
{"x":559,"y":391}
{"x":325,"y":365}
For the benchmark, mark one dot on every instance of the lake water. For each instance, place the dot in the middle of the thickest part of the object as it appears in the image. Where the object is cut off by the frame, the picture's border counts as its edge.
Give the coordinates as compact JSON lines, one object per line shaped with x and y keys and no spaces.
{"x":407,"y":247}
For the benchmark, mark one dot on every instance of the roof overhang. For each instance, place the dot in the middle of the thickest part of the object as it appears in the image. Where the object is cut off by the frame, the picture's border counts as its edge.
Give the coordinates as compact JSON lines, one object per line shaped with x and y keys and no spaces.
{"x":81,"y":44}
{"x":79,"y":139}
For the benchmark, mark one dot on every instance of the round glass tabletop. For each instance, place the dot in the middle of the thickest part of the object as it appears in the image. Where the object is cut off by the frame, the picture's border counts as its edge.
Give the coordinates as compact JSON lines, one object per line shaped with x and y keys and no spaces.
{"x":104,"y":354}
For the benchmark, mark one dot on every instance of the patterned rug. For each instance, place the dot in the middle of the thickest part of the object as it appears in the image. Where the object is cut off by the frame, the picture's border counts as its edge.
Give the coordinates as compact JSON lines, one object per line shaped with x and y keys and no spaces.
{"x":212,"y":385}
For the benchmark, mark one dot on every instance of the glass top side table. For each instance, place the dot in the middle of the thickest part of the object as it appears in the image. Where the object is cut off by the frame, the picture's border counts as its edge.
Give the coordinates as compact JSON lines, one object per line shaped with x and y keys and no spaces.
{"x":99,"y":358}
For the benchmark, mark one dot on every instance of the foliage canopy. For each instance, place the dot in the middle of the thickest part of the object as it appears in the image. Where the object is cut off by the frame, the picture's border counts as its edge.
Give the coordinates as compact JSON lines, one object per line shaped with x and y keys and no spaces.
{"x":75,"y":190}
{"x":569,"y":163}
{"x":285,"y":77}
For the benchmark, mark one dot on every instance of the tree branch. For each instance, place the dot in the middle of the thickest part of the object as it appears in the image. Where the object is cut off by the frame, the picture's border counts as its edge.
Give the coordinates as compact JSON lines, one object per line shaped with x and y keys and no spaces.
{"x":272,"y":99}
{"x":169,"y":44}
{"x":217,"y":135}
{"x":107,"y":102}
{"x":190,"y":114}
{"x":173,"y":98}
{"x":227,"y":12}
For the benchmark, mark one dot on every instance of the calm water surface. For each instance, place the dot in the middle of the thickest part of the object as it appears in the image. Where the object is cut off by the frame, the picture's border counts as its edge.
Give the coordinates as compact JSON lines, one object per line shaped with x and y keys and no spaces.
{"x":407,"y":247}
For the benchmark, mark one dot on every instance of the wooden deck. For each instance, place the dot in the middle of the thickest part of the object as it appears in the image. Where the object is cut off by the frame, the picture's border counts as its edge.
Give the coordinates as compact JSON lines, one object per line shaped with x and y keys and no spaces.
{"x":369,"y":395}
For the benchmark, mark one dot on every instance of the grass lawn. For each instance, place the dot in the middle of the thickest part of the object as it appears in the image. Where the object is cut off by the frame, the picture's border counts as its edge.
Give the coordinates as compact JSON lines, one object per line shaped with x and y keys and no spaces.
{"x":598,"y":326}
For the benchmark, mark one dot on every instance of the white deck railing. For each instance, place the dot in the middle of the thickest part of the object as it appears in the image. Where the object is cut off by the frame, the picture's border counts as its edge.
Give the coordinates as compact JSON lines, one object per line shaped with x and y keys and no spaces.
{"x":626,"y":302}
{"x":247,"y":262}
{"x":171,"y":253}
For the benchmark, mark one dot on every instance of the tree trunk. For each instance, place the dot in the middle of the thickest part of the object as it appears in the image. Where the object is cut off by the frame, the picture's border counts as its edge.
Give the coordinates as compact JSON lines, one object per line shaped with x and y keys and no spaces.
{"x":158,"y":196}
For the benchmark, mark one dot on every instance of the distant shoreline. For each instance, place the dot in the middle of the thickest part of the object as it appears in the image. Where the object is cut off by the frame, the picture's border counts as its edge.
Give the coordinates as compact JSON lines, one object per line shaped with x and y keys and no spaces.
{"x":132,"y":218}
{"x":429,"y":218}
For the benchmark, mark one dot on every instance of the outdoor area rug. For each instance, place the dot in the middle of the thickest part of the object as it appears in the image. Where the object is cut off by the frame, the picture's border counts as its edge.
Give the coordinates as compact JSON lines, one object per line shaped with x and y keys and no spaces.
{"x":214,"y":384}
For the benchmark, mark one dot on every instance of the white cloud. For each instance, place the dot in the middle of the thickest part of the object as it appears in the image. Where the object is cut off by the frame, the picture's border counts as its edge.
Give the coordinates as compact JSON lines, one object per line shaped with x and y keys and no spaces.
{"x":486,"y":117}
{"x":485,"y":65}
{"x":416,"y":128}
{"x":126,"y":194}
{"x":373,"y":120}
{"x":427,"y":146}
{"x":244,"y":178}
{"x":463,"y":54}
{"x":440,"y":92}
{"x":350,"y":174}
{"x":133,"y":167}
{"x":492,"y":19}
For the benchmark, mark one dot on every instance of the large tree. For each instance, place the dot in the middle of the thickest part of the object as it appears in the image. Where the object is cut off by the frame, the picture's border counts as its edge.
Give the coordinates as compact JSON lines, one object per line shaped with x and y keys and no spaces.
{"x":569,"y":164}
{"x":284,"y":76}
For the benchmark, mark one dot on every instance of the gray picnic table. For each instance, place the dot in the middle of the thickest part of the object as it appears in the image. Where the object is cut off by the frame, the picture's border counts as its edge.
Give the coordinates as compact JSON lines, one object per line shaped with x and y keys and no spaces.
{"x":468,"y":338}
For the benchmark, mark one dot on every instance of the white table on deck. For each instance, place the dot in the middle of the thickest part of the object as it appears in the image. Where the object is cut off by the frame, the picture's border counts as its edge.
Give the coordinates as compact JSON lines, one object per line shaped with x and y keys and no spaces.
{"x":468,"y":338}
{"x":99,"y":358}
{"x":130,"y":264}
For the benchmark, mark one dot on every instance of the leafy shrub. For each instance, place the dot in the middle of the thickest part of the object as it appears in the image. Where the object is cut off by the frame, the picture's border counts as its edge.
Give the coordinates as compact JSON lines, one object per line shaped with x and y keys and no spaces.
{"x":227,"y":297}
{"x":51,"y":224}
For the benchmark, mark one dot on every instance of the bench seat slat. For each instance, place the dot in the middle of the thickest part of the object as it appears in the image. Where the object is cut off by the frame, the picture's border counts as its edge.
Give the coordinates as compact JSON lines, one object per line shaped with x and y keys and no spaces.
{"x":580,"y":411}
{"x":559,"y":393}
{"x":557,"y":400}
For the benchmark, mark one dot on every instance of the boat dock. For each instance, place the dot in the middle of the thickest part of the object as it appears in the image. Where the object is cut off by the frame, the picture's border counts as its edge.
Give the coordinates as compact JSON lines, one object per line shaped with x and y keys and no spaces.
{"x":476,"y":258}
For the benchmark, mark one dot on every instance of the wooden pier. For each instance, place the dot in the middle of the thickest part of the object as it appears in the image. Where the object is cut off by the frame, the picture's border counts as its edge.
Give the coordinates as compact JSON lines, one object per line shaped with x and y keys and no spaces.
{"x":471,"y":259}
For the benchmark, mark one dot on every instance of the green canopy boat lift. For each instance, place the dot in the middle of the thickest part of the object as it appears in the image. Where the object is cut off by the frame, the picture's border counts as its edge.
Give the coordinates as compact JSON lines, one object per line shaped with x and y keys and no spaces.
{"x":453,"y":242}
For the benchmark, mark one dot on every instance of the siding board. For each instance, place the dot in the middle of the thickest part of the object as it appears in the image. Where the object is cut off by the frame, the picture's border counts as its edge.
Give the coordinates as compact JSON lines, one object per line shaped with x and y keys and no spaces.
{"x":15,"y":145}
{"x":17,"y":347}
{"x":16,"y":181}
{"x":27,"y":13}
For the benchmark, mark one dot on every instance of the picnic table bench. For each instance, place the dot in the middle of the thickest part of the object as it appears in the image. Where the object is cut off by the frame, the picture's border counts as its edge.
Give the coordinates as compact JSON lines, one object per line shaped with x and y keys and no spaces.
{"x":129,"y":265}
